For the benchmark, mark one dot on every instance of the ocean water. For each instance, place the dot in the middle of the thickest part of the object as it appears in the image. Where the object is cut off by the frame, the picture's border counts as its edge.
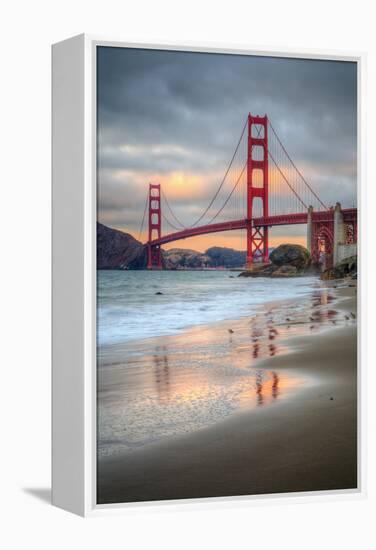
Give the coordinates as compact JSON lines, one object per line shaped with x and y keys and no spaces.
{"x":129,"y":309}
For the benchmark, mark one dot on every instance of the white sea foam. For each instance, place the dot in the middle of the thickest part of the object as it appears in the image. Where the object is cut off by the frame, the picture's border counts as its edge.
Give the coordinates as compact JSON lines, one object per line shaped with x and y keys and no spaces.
{"x":129,"y":309}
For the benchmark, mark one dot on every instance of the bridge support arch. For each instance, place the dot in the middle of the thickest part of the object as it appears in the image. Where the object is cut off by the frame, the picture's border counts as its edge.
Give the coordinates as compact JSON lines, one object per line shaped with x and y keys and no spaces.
{"x":323,"y":245}
{"x":331,"y":235}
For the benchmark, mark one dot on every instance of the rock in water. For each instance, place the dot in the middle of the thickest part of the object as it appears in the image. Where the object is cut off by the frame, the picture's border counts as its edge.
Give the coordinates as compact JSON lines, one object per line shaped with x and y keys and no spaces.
{"x":293,"y":255}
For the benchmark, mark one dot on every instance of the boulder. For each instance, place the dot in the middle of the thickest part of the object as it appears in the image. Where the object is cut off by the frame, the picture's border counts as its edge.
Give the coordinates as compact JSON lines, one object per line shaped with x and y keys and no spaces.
{"x":291,"y":255}
{"x":347,"y":268}
{"x":287,"y":260}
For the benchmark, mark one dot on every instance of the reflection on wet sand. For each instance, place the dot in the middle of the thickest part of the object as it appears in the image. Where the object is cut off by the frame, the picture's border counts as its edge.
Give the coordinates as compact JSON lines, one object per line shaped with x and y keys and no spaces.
{"x":162,"y":373}
{"x":272,"y":350}
{"x":173,"y":385}
{"x":185,"y":386}
{"x":272,"y":333}
{"x":322,"y":297}
{"x":268,"y":387}
{"x":256,"y":349}
{"x":259,"y":385}
{"x":180,"y":388}
{"x":275,"y":390}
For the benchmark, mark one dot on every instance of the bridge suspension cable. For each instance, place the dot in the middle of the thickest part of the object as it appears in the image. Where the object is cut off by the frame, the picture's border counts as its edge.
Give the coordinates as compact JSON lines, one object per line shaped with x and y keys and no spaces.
{"x":170,"y":223}
{"x":295,"y":167}
{"x":286,"y":180}
{"x":143,"y":217}
{"x":223,"y":179}
{"x":184,"y":226}
{"x":237,"y":181}
{"x":171,"y":211}
{"x":235,"y":186}
{"x":230,"y":195}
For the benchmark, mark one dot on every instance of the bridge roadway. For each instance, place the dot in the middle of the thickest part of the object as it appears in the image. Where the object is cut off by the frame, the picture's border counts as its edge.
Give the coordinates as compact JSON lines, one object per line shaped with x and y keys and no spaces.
{"x":349,"y":215}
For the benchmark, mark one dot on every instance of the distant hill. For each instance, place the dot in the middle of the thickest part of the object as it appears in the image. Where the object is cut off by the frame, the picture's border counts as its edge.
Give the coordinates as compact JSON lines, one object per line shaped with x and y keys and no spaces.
{"x":179,"y":258}
{"x":216,"y":256}
{"x":225,"y":257}
{"x":182,"y":258}
{"x":119,"y":250}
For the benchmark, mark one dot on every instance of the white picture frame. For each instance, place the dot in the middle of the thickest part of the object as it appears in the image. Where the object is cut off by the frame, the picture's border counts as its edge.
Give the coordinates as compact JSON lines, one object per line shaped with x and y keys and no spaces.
{"x":74,"y":274}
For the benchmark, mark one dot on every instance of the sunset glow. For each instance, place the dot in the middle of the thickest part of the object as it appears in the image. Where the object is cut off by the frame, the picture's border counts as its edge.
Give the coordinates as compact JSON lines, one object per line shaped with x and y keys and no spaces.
{"x":229,"y":239}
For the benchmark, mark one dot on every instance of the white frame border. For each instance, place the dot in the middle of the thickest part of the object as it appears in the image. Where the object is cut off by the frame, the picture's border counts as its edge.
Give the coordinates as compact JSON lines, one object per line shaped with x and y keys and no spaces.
{"x":90,"y":217}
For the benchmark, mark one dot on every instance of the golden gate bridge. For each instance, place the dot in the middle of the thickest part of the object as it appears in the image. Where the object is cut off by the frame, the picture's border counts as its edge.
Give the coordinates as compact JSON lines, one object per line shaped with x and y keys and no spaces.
{"x":261,"y":188}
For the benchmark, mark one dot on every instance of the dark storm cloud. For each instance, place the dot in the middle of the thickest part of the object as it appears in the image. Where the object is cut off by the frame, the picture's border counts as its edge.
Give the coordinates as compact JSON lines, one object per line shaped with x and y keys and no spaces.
{"x":161,"y":112}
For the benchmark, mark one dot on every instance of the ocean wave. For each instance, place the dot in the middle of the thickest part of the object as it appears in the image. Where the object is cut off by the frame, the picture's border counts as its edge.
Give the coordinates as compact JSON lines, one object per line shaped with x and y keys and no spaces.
{"x":128,"y":307}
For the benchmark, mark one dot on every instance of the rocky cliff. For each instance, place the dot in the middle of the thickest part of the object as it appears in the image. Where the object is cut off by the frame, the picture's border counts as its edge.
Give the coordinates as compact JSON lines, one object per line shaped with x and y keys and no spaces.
{"x":118,"y":250}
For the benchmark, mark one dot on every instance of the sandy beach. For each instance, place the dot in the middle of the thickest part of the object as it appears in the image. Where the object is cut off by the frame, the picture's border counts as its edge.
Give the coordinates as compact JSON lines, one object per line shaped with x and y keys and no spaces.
{"x":294,"y":426}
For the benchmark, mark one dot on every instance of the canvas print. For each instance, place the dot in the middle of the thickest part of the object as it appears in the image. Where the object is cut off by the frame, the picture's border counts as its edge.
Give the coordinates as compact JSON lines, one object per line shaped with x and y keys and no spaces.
{"x":226,"y":275}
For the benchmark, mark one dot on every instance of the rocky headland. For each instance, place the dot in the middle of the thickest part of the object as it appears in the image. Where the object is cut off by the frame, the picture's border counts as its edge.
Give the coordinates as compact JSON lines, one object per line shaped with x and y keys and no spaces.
{"x":119,"y":250}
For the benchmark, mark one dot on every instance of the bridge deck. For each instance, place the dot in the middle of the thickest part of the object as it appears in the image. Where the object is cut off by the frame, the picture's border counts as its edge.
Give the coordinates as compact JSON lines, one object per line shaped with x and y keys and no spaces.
{"x":283,"y":219}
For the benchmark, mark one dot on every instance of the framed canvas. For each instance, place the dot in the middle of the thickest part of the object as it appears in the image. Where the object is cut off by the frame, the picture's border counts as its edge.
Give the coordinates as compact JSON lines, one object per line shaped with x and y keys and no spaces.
{"x":207,"y":293}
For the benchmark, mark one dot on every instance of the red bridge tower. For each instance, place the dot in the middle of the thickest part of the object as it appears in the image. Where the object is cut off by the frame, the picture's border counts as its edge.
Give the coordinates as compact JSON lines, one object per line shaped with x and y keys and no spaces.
{"x":257,"y":187}
{"x":154,"y":252}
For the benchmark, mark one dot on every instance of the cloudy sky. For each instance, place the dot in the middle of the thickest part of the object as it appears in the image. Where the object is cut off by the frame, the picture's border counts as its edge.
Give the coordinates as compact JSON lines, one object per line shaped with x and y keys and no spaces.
{"x":174,"y":118}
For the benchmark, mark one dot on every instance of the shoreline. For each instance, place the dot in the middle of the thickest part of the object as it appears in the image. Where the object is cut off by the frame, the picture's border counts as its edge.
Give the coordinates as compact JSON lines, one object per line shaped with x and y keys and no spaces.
{"x":131,"y":308}
{"x":188,"y":330}
{"x":302,"y":443}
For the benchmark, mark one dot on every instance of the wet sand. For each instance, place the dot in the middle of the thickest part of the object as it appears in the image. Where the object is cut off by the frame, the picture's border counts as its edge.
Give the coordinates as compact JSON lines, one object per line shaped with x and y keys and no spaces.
{"x":301,"y":440}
